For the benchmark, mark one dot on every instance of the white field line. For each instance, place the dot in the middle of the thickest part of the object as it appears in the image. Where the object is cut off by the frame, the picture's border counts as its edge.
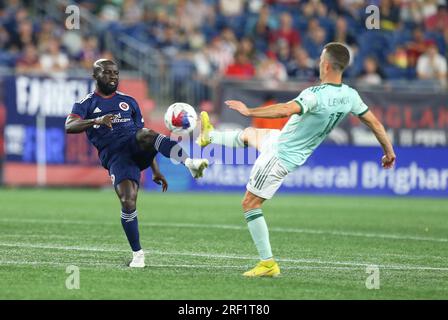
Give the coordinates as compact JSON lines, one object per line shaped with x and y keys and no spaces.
{"x":74,"y":238}
{"x":193,"y":266}
{"x":223,"y":256}
{"x":236,"y":227}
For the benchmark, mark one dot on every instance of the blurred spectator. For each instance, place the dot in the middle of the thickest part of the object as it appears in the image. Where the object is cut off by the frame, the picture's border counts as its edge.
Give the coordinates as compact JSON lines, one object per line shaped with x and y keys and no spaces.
{"x":350,"y":8}
{"x":203,"y":66}
{"x":283,"y":51}
{"x":54,"y":61}
{"x":398,"y":58}
{"x":438,"y":21}
{"x":242,"y":68}
{"x":219,"y":55}
{"x":231,"y":8}
{"x":246,"y":45}
{"x":200,"y":12}
{"x":167,"y":6}
{"x":431,"y":65}
{"x":172,"y":42}
{"x":286,"y":32}
{"x":132,"y":12}
{"x":254,"y":6}
{"x":390,"y":14}
{"x":370,"y":74}
{"x":25,"y":36}
{"x":315,"y":42}
{"x":110,"y":12}
{"x":4,"y":38}
{"x":229,"y":40}
{"x":47,"y":31}
{"x":285,"y":4}
{"x":415,"y":12}
{"x":271,"y":69}
{"x":183,"y":19}
{"x":28,"y":60}
{"x":261,"y":28}
{"x":301,"y":66}
{"x":416,"y":46}
{"x":196,"y":40}
{"x":73,"y":42}
{"x":343,"y":34}
{"x":445,"y":38}
{"x":90,"y":52}
{"x":314,"y":8}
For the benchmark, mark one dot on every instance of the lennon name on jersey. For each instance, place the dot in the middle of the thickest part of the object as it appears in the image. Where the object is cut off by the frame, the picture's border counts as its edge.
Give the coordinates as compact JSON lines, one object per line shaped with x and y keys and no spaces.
{"x":338,"y":101}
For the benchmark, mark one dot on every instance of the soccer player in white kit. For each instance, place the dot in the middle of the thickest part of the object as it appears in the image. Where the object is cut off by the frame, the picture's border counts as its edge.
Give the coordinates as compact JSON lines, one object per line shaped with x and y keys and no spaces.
{"x":314,"y":113}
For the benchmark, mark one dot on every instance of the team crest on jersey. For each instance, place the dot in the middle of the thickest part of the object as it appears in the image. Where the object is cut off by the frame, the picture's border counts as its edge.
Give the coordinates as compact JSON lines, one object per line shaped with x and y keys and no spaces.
{"x":124,"y":106}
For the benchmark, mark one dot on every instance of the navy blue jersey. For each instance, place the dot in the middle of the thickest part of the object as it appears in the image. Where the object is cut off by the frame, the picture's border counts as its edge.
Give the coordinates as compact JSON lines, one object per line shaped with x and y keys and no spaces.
{"x":128,"y":119}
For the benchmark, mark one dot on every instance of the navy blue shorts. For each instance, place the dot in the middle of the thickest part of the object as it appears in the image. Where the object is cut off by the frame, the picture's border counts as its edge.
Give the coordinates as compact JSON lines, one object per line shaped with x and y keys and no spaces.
{"x":126,"y":161}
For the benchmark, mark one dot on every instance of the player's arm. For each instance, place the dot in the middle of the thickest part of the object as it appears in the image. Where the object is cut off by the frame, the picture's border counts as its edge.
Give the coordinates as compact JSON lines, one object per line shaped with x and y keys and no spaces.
{"x":157,"y":176}
{"x":378,"y":130}
{"x":74,"y":124}
{"x":279,"y":110}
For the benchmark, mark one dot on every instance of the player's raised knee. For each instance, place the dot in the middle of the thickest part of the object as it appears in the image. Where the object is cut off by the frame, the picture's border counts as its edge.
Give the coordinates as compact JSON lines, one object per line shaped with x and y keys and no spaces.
{"x":146,"y":136}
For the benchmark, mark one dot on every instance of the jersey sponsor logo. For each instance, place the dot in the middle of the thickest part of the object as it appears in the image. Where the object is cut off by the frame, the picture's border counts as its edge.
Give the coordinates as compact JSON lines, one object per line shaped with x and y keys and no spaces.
{"x":124,"y":106}
{"x":97,"y":110}
{"x":118,"y":119}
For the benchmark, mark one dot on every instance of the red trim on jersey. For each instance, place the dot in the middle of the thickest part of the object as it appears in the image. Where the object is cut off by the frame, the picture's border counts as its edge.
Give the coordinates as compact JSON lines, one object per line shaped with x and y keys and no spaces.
{"x":75,"y":115}
{"x":103,"y":96}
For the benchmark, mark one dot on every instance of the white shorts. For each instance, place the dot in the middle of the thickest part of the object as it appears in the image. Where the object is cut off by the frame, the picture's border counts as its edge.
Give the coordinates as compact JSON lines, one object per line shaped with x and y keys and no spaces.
{"x":267,"y":173}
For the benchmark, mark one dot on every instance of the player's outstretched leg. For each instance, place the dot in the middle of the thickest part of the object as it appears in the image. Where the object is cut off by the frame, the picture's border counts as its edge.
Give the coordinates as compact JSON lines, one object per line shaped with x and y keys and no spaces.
{"x":127,"y":193}
{"x":258,"y":229}
{"x":149,"y":139}
{"x":230,"y":138}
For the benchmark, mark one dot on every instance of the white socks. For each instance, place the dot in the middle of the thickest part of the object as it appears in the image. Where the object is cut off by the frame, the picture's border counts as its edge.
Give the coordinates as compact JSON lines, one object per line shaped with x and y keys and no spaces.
{"x":228,"y":138}
{"x":259,"y":231}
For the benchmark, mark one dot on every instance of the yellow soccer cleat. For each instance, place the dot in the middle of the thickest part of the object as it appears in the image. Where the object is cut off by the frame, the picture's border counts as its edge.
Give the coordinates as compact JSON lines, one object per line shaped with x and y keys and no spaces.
{"x":204,"y":137}
{"x":268,"y":268}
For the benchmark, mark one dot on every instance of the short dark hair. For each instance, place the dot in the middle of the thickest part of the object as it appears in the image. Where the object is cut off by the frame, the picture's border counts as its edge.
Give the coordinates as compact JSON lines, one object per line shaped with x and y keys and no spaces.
{"x":338,"y":55}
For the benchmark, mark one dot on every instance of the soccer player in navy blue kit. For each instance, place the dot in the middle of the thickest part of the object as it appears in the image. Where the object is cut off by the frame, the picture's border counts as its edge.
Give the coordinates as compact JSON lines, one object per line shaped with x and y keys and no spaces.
{"x":114,"y":125}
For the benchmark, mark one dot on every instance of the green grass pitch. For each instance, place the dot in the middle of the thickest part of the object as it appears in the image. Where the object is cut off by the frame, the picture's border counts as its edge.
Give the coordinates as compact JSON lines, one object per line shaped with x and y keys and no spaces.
{"x":198,"y":246}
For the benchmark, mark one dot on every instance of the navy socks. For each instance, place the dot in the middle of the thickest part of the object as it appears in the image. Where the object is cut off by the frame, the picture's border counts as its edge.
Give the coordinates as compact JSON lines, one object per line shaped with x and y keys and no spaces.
{"x":130,"y":226}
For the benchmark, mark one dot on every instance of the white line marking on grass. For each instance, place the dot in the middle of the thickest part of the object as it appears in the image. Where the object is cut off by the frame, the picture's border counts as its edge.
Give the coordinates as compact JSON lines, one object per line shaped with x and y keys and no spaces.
{"x":74,"y":238}
{"x":193,"y":266}
{"x":236,"y":227}
{"x":222,"y":256}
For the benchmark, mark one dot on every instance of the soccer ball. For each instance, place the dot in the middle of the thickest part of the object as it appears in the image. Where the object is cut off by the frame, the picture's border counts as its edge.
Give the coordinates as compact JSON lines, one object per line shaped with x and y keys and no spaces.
{"x":180,"y":118}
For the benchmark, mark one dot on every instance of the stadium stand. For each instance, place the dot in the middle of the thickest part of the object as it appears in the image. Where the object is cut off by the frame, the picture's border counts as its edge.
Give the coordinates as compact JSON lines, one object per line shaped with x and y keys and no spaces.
{"x":33,"y":39}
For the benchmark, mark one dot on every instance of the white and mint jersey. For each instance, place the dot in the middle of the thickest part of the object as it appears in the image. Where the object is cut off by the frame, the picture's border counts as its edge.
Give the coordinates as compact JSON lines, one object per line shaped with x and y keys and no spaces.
{"x":323,"y":107}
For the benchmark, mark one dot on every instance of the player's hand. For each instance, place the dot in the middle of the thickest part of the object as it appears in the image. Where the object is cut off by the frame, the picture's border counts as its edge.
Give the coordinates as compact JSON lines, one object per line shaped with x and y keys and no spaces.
{"x":105,"y":120}
{"x":388,"y":161}
{"x":238,"y":106}
{"x":160,"y":180}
